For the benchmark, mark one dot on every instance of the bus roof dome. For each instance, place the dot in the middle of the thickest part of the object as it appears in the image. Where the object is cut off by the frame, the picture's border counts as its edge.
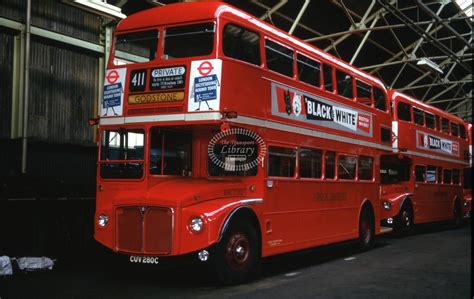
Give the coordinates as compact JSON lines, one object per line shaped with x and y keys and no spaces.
{"x":174,"y":13}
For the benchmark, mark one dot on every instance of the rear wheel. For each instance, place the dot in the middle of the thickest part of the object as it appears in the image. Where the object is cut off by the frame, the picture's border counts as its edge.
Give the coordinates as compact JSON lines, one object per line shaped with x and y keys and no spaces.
{"x":366,"y":229}
{"x":237,"y":256}
{"x":457,"y":214}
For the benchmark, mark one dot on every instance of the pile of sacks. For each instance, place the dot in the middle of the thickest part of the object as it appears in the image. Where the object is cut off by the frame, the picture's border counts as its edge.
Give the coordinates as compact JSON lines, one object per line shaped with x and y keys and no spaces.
{"x":28,"y":264}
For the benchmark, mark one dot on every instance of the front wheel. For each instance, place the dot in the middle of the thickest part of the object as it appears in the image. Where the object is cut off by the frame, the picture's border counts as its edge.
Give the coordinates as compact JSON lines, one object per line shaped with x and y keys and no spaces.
{"x":366,"y":229}
{"x":237,"y":256}
{"x":405,"y":220}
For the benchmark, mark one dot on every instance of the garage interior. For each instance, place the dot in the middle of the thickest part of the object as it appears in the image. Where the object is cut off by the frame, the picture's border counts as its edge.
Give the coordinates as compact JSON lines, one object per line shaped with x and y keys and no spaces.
{"x":48,"y":150}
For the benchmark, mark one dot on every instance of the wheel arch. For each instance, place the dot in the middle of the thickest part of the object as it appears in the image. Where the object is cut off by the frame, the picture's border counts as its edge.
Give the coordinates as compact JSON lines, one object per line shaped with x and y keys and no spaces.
{"x":367,"y":204}
{"x":241,"y":212}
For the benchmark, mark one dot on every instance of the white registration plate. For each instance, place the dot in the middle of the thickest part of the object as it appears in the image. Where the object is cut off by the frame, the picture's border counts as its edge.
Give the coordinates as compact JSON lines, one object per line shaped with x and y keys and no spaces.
{"x":144,"y":259}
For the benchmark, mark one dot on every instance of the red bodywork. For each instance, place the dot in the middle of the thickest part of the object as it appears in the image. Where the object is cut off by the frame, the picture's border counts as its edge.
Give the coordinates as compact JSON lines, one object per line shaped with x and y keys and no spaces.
{"x":293,"y":213}
{"x":430,"y":200}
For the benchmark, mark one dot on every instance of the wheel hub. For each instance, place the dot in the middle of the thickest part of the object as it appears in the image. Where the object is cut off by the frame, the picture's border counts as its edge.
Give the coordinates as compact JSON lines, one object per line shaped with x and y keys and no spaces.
{"x":237,"y":251}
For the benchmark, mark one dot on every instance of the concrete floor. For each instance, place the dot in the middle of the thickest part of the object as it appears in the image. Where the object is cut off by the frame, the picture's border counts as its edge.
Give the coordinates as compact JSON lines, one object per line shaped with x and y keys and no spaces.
{"x":434,"y":262}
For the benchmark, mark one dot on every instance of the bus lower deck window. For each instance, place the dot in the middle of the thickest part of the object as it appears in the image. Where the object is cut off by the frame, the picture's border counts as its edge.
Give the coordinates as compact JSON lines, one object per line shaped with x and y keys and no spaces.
{"x":447,"y":175}
{"x":121,"y":154}
{"x":329,"y":165}
{"x":223,"y":162}
{"x":310,"y":163}
{"x":347,"y":167}
{"x":281,"y":161}
{"x":420,"y":173}
{"x":189,"y":40}
{"x":431,"y":174}
{"x":170,"y":152}
{"x":365,"y":171}
{"x":456,"y":178}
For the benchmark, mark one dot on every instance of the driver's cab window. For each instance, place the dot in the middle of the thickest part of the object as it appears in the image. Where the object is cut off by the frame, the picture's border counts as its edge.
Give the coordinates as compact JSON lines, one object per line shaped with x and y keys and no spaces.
{"x":170,"y":152}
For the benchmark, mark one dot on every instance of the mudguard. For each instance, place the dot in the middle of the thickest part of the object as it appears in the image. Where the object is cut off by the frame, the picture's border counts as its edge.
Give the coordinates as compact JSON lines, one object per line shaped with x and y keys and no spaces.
{"x":216,"y":215}
{"x":396,"y":201}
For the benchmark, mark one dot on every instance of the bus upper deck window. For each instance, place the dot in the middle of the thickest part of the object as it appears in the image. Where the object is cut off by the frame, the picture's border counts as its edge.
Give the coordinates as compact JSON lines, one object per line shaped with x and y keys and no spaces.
{"x":327,"y":76}
{"x":308,"y":70}
{"x":445,"y":125}
{"x":189,"y":40}
{"x":462,"y":132}
{"x":344,"y":84}
{"x":135,"y":47}
{"x":454,"y":129}
{"x":403,"y":111}
{"x":279,"y":58}
{"x":380,"y":101}
{"x":241,"y":44}
{"x":430,"y":120}
{"x":438,"y":122}
{"x":364,"y":93}
{"x":418,"y":116}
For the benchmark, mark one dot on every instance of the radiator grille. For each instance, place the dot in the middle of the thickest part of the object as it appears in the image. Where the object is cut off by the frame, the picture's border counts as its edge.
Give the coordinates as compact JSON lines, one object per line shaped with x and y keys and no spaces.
{"x":144,"y":230}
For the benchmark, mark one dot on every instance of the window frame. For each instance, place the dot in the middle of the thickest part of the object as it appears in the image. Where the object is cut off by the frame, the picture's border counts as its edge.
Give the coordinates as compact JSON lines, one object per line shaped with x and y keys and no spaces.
{"x":297,"y":73}
{"x":322,"y":177}
{"x":409,"y":111}
{"x":371,"y":87}
{"x":267,"y":39}
{"x":338,"y":157}
{"x":162,"y":46}
{"x":249,"y":30}
{"x":335,"y":74}
{"x":295,"y":170}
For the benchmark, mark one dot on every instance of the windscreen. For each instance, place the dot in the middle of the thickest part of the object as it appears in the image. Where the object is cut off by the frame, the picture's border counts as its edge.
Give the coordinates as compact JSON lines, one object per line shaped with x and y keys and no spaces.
{"x":121,"y":154}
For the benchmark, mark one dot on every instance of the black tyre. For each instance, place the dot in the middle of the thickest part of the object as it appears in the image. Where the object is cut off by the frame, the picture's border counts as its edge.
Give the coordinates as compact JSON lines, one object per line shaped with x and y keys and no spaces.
{"x":457,"y":214}
{"x":366,"y":229}
{"x":237,"y":256}
{"x":404,"y":223}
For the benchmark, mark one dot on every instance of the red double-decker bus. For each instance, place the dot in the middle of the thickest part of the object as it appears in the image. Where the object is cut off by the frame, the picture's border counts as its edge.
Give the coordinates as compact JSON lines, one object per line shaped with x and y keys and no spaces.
{"x":225,"y":138}
{"x":422,"y":180}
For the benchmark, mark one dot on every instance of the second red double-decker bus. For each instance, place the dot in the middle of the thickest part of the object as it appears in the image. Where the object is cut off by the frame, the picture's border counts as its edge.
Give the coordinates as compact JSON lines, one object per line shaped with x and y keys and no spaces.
{"x":224,"y":137}
{"x":422,"y":180}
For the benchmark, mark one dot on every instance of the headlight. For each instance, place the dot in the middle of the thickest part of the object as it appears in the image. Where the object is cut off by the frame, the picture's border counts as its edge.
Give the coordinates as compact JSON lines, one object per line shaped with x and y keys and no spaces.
{"x":196,"y":225}
{"x":465,"y":203}
{"x":102,"y":220}
{"x":387,"y":205}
